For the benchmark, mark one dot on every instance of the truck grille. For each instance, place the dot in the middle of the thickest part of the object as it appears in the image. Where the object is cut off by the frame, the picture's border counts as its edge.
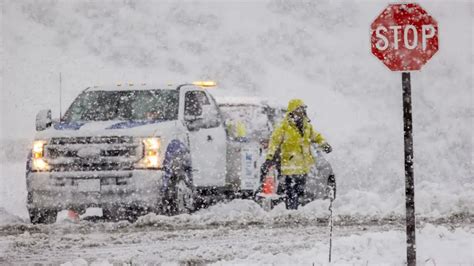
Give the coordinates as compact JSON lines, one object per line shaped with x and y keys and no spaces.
{"x":91,"y":140}
{"x":93,"y":153}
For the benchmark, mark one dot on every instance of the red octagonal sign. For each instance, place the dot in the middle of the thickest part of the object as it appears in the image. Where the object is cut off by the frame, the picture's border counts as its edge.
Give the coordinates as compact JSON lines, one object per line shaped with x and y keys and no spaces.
{"x":404,"y":37}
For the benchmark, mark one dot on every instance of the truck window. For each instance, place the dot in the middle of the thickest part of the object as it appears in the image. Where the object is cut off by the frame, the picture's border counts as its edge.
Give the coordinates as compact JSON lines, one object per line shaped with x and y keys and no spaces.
{"x":197,"y":103}
{"x":149,"y":105}
{"x":193,"y":103}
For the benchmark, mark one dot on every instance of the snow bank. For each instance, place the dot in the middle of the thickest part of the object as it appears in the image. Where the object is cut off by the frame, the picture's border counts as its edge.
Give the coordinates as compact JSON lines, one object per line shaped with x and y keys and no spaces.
{"x":436,"y":200}
{"x":436,"y":245}
{"x":8,"y":218}
{"x":83,"y":262}
{"x":13,"y":188}
{"x":234,"y":213}
{"x":357,"y":207}
{"x":433,"y":202}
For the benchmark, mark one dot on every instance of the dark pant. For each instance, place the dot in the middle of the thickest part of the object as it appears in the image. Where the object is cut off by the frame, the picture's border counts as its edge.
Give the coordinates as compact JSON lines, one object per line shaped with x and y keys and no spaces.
{"x":294,"y":189}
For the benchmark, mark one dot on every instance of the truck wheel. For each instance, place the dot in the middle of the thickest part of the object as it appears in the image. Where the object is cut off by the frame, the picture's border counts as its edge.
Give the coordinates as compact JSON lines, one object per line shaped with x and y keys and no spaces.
{"x":179,"y":198}
{"x":42,"y":216}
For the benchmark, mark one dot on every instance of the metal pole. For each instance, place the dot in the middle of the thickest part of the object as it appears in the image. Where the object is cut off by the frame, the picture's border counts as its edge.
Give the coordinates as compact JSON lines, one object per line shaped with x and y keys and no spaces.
{"x":330,"y":222}
{"x":409,"y":180}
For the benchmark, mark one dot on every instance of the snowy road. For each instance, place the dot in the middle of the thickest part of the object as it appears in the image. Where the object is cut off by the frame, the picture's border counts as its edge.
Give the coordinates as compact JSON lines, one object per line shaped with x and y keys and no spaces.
{"x":155,"y":245}
{"x":243,"y":234}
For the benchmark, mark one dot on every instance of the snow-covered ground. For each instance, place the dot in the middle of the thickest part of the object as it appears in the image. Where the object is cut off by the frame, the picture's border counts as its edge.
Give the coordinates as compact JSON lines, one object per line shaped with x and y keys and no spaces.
{"x":437,"y":245}
{"x":239,"y":232}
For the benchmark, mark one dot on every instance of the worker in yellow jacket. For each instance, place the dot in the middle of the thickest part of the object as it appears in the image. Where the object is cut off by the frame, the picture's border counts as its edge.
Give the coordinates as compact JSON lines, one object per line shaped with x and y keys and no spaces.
{"x":290,"y":147}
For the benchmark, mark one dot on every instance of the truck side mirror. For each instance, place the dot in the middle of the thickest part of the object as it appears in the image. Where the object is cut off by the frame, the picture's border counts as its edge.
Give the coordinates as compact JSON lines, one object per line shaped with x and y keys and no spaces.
{"x":193,"y":112}
{"x":194,"y":124}
{"x":43,"y":120}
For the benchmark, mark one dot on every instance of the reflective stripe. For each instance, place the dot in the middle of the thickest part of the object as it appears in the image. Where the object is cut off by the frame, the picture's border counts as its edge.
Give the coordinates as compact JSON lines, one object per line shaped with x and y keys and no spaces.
{"x":290,"y":167}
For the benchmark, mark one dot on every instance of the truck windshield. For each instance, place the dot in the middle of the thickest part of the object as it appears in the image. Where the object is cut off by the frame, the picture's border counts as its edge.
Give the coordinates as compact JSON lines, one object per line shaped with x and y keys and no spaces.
{"x":124,"y":105}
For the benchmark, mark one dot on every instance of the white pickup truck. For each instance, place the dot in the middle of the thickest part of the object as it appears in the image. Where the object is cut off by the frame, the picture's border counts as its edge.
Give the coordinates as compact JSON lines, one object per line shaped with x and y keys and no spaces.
{"x":131,"y":149}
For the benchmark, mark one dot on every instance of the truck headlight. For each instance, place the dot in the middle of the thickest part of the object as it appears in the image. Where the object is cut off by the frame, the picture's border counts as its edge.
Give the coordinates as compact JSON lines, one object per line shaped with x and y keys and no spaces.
{"x":38,"y":162}
{"x":151,"y":154}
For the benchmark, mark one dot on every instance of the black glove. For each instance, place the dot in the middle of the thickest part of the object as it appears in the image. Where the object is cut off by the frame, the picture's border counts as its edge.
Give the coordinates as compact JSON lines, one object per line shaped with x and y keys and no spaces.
{"x":331,"y":187}
{"x":326,"y":147}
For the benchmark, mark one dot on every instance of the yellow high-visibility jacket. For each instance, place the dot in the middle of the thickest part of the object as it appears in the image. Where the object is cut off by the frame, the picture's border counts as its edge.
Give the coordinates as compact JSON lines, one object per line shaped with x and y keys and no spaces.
{"x":294,"y":148}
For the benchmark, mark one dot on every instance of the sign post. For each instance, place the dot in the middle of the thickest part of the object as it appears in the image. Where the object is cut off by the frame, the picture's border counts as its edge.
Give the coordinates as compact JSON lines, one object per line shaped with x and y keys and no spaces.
{"x":409,"y":179}
{"x":404,"y":37}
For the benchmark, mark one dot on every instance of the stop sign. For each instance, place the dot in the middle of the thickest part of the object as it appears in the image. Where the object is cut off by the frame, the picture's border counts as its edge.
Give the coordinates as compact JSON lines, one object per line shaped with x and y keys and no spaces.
{"x":404,"y":37}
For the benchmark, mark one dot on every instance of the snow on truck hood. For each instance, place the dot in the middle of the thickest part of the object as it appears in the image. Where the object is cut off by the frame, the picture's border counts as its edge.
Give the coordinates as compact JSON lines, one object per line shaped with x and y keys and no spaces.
{"x":107,"y":128}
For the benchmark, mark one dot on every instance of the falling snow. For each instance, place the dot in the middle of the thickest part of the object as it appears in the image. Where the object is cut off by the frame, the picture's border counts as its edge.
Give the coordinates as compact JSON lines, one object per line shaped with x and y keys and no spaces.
{"x":126,"y":130}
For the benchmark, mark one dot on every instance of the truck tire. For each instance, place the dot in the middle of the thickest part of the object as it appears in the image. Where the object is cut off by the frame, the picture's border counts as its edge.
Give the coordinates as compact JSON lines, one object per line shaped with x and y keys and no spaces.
{"x":178,"y":185}
{"x":179,"y":198}
{"x":42,"y":216}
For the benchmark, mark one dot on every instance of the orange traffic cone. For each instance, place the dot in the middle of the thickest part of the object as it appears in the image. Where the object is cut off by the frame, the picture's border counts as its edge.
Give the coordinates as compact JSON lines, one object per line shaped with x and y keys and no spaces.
{"x":269,"y":185}
{"x":72,"y":215}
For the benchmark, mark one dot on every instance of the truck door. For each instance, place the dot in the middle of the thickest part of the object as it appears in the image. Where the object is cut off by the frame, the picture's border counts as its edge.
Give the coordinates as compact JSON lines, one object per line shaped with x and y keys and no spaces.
{"x":207,"y":139}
